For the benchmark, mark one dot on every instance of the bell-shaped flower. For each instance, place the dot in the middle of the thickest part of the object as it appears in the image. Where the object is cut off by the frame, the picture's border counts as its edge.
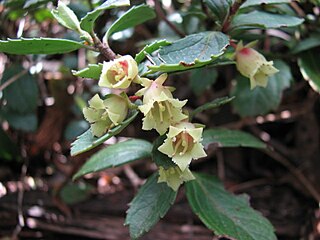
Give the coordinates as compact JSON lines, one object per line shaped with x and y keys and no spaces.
{"x":254,"y":66}
{"x":183,"y":144}
{"x":174,"y":177}
{"x":119,"y":73}
{"x":159,"y":107}
{"x":105,"y":114}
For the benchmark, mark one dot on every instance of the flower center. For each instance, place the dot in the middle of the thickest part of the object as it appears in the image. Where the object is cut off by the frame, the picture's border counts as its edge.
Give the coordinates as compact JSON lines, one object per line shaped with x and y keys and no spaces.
{"x":183,"y":143}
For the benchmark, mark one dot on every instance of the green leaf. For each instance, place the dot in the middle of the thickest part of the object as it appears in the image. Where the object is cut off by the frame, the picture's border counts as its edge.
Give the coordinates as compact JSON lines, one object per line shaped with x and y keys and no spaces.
{"x":150,"y":48}
{"x":66,"y":17}
{"x":265,"y":20}
{"x":27,"y":122}
{"x":134,"y":16}
{"x":250,"y":3}
{"x":87,"y":141}
{"x":202,"y":79}
{"x":8,"y":150}
{"x":261,"y":100}
{"x":230,"y":138}
{"x":87,"y":22}
{"x":150,"y":204}
{"x":39,"y":46}
{"x":22,"y":94}
{"x":92,"y":71}
{"x":75,"y":128}
{"x":309,"y":66}
{"x":201,"y":47}
{"x":160,"y":159}
{"x":306,"y":44}
{"x":225,"y":214}
{"x":214,"y":104}
{"x":220,"y":8}
{"x":76,"y":192}
{"x":116,"y":155}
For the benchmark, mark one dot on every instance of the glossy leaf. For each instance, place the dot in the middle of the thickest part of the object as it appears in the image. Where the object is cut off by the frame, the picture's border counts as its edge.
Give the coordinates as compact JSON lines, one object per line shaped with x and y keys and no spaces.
{"x":214,"y":104}
{"x":261,"y":100}
{"x":150,"y":48}
{"x":150,"y":204}
{"x":87,"y":141}
{"x":265,"y":20}
{"x":250,"y":3}
{"x":22,"y":94}
{"x":116,"y":155}
{"x":309,"y":66}
{"x":306,"y":44}
{"x":230,"y":138}
{"x":87,"y":22}
{"x":220,"y":8}
{"x":73,"y":193}
{"x":66,"y":17}
{"x":93,"y":71}
{"x":134,"y":16}
{"x":39,"y":46}
{"x":225,"y":214}
{"x":202,"y":79}
{"x":199,"y":47}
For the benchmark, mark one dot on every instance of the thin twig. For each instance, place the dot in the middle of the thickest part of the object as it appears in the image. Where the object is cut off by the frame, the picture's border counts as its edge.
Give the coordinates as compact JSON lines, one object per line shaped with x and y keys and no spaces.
{"x":233,"y":10}
{"x":12,"y":80}
{"x":161,"y":14}
{"x":21,"y":221}
{"x":135,"y":180}
{"x":295,"y":172}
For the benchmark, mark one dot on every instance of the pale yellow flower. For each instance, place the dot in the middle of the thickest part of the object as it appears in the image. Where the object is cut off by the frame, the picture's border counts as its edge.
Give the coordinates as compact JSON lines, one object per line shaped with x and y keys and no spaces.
{"x":119,"y":73}
{"x":254,"y":66}
{"x":159,"y":107}
{"x":174,"y":177}
{"x":105,"y":114}
{"x":183,"y":144}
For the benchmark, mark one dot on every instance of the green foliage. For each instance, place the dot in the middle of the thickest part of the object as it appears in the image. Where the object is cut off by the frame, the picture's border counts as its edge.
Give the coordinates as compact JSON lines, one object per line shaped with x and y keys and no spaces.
{"x":265,"y":20}
{"x":202,"y":79}
{"x":261,"y":100}
{"x":74,"y":193}
{"x":150,"y":204}
{"x":309,"y":67}
{"x":134,"y":16}
{"x":8,"y":150}
{"x":214,"y":104}
{"x":250,"y":3}
{"x":224,"y":213}
{"x":150,"y":48}
{"x":116,"y":155}
{"x":93,"y":71}
{"x":87,"y":141}
{"x":21,"y":98}
{"x":230,"y":138}
{"x":219,"y":8}
{"x":39,"y":46}
{"x":87,"y":22}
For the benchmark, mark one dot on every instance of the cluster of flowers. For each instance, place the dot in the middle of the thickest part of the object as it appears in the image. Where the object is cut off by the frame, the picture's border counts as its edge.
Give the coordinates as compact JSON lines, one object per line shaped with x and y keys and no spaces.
{"x":161,"y":112}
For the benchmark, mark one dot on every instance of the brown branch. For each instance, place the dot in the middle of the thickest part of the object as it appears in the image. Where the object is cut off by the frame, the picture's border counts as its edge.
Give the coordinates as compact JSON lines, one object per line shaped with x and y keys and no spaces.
{"x":104,"y":48}
{"x":161,"y":14}
{"x":233,"y":10}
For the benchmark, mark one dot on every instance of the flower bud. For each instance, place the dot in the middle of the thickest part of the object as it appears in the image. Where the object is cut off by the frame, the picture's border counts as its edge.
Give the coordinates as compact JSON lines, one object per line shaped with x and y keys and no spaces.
{"x":105,"y":114}
{"x":174,"y":177}
{"x":159,"y":107}
{"x":253,"y":65}
{"x":118,"y":73}
{"x":183,"y":144}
